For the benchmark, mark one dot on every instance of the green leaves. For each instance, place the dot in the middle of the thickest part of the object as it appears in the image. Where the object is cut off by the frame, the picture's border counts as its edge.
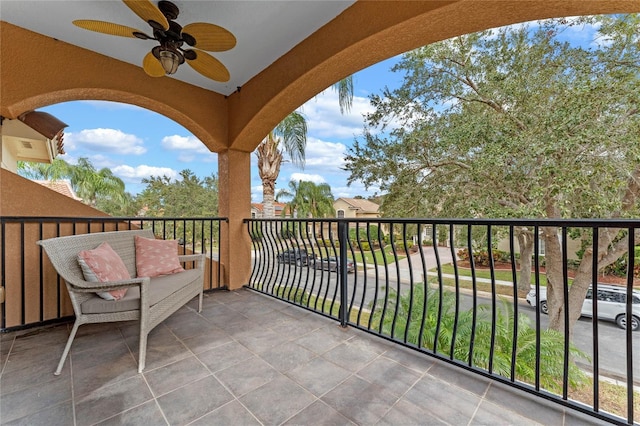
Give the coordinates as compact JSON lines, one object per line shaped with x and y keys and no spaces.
{"x":431,"y":320}
{"x":309,"y":199}
{"x":95,"y":187}
{"x":293,"y":133}
{"x":189,"y":196}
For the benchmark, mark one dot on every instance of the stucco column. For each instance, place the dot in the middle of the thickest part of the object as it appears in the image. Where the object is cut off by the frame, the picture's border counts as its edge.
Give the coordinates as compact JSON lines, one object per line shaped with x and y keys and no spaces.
{"x":234,"y":186}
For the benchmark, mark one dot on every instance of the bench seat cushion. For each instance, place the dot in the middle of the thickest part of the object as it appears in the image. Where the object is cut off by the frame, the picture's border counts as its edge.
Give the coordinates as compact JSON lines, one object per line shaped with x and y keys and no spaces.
{"x":159,"y":289}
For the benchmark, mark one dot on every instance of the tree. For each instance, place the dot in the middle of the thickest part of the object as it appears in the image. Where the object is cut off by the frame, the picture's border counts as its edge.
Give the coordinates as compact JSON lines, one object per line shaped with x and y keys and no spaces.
{"x":290,"y":138}
{"x":514,"y":123}
{"x":87,"y":182}
{"x":130,"y":207}
{"x":58,"y":169}
{"x":90,"y":183}
{"x":309,"y":199}
{"x":188,"y":196}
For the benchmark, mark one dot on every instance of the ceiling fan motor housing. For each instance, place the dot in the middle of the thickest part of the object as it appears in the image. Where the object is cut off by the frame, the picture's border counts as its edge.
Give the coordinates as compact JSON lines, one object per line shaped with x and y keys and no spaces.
{"x":168,"y":9}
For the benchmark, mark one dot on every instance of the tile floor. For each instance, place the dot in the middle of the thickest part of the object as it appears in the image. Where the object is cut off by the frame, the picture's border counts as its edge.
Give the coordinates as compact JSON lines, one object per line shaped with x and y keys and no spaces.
{"x":247,"y":359}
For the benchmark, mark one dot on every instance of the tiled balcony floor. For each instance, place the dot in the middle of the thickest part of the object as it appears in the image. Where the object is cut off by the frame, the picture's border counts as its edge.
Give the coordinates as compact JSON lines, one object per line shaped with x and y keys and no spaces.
{"x":247,"y":359}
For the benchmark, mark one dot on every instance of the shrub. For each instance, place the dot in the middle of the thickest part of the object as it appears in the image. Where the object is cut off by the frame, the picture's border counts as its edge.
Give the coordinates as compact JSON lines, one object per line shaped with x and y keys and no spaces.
{"x":327,"y":243}
{"x":401,"y":246}
{"x":374,"y":233}
{"x":463,"y":254}
{"x":256,"y":234}
{"x":441,"y":315}
{"x":481,"y":257}
{"x":617,"y":268}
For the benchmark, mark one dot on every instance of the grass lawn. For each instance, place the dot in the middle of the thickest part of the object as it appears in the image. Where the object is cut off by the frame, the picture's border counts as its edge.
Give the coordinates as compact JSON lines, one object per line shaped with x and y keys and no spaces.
{"x":379,"y":254}
{"x":501,"y":275}
{"x":612,"y":397}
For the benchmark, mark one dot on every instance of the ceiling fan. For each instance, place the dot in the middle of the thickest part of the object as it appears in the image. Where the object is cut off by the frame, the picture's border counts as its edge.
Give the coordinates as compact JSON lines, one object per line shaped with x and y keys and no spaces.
{"x":169,"y":54}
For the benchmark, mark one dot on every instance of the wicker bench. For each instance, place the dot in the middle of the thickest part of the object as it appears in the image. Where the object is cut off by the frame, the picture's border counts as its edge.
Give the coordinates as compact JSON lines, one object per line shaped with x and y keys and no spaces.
{"x":149,"y":300}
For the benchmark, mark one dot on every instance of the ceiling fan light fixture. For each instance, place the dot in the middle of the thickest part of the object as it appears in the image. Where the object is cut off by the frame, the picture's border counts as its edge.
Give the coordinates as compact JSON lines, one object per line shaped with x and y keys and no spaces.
{"x":170,"y":58}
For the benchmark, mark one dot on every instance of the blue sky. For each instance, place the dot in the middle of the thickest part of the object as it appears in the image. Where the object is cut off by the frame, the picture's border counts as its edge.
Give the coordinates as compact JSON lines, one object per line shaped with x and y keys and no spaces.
{"x":137,"y":143}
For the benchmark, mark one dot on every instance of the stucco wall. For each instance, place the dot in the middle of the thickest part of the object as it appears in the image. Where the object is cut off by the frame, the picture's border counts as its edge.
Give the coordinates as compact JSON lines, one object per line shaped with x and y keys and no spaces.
{"x":7,"y":160}
{"x":23,"y":198}
{"x":342,"y":205}
{"x":32,"y":297}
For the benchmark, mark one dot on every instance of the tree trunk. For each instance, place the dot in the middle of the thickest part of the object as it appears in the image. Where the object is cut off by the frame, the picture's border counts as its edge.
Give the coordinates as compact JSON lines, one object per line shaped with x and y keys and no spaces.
{"x":525,"y":241}
{"x":555,"y":283}
{"x":269,"y":161}
{"x":267,"y":200}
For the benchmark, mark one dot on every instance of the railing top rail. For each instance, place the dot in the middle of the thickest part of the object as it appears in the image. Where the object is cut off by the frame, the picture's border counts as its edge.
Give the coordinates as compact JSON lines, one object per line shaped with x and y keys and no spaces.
{"x":101,"y":218}
{"x":612,"y":223}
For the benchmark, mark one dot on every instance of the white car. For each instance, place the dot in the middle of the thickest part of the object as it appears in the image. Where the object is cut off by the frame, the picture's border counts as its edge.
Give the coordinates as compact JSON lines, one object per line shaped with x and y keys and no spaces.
{"x":611,"y":304}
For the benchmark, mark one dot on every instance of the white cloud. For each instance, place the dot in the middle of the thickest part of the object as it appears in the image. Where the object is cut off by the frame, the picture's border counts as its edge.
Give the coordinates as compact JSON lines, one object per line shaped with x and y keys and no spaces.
{"x":324,"y":154}
{"x":256,"y":193}
{"x":307,"y":178}
{"x":136,"y":174}
{"x":355,"y":189}
{"x":325,"y":120}
{"x":105,"y":140}
{"x":190,"y":147}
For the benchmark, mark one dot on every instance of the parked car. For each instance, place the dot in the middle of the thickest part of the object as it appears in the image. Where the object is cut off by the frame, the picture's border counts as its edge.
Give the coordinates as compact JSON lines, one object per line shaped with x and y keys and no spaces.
{"x":332,"y":263}
{"x":611,"y":301}
{"x":298,"y":256}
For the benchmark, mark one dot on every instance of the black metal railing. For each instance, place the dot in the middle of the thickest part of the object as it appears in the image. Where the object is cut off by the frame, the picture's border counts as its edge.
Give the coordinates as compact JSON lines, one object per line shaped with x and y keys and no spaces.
{"x":34,"y":294}
{"x":446,"y":288}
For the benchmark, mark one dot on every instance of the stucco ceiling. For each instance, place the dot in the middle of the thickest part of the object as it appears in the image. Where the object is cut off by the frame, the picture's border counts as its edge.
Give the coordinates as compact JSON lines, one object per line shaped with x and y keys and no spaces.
{"x":265,"y":30}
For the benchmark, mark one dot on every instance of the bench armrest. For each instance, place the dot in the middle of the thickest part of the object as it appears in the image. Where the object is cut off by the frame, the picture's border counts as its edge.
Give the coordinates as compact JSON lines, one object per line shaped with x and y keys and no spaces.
{"x":198,"y":258}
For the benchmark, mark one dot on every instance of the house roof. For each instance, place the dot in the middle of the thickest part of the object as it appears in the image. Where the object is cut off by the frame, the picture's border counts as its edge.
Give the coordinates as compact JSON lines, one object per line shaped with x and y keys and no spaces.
{"x":278,"y":207}
{"x":47,"y":125}
{"x":60,"y":186}
{"x":361,"y":204}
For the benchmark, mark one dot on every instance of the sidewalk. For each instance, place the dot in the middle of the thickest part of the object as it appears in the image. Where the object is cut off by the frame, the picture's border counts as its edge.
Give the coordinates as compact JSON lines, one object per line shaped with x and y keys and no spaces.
{"x":413,"y":263}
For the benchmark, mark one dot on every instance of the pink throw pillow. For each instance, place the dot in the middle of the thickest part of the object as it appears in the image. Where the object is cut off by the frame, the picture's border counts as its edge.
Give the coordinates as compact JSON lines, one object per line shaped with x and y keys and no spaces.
{"x":156,"y":257}
{"x":102,"y":264}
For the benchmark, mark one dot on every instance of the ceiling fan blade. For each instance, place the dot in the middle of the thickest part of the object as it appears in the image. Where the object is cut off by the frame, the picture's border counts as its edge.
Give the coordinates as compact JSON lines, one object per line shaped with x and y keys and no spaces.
{"x":209,"y":66}
{"x":152,"y":66}
{"x":210,"y":37}
{"x":106,"y":27}
{"x":147,"y":11}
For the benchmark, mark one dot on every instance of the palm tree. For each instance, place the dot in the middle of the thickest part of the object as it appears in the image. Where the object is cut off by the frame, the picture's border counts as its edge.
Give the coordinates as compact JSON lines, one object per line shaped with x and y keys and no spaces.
{"x":58,"y":169}
{"x":90,"y":183}
{"x":85,"y":180}
{"x":309,"y":199}
{"x":453,"y":334}
{"x":290,"y":138}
